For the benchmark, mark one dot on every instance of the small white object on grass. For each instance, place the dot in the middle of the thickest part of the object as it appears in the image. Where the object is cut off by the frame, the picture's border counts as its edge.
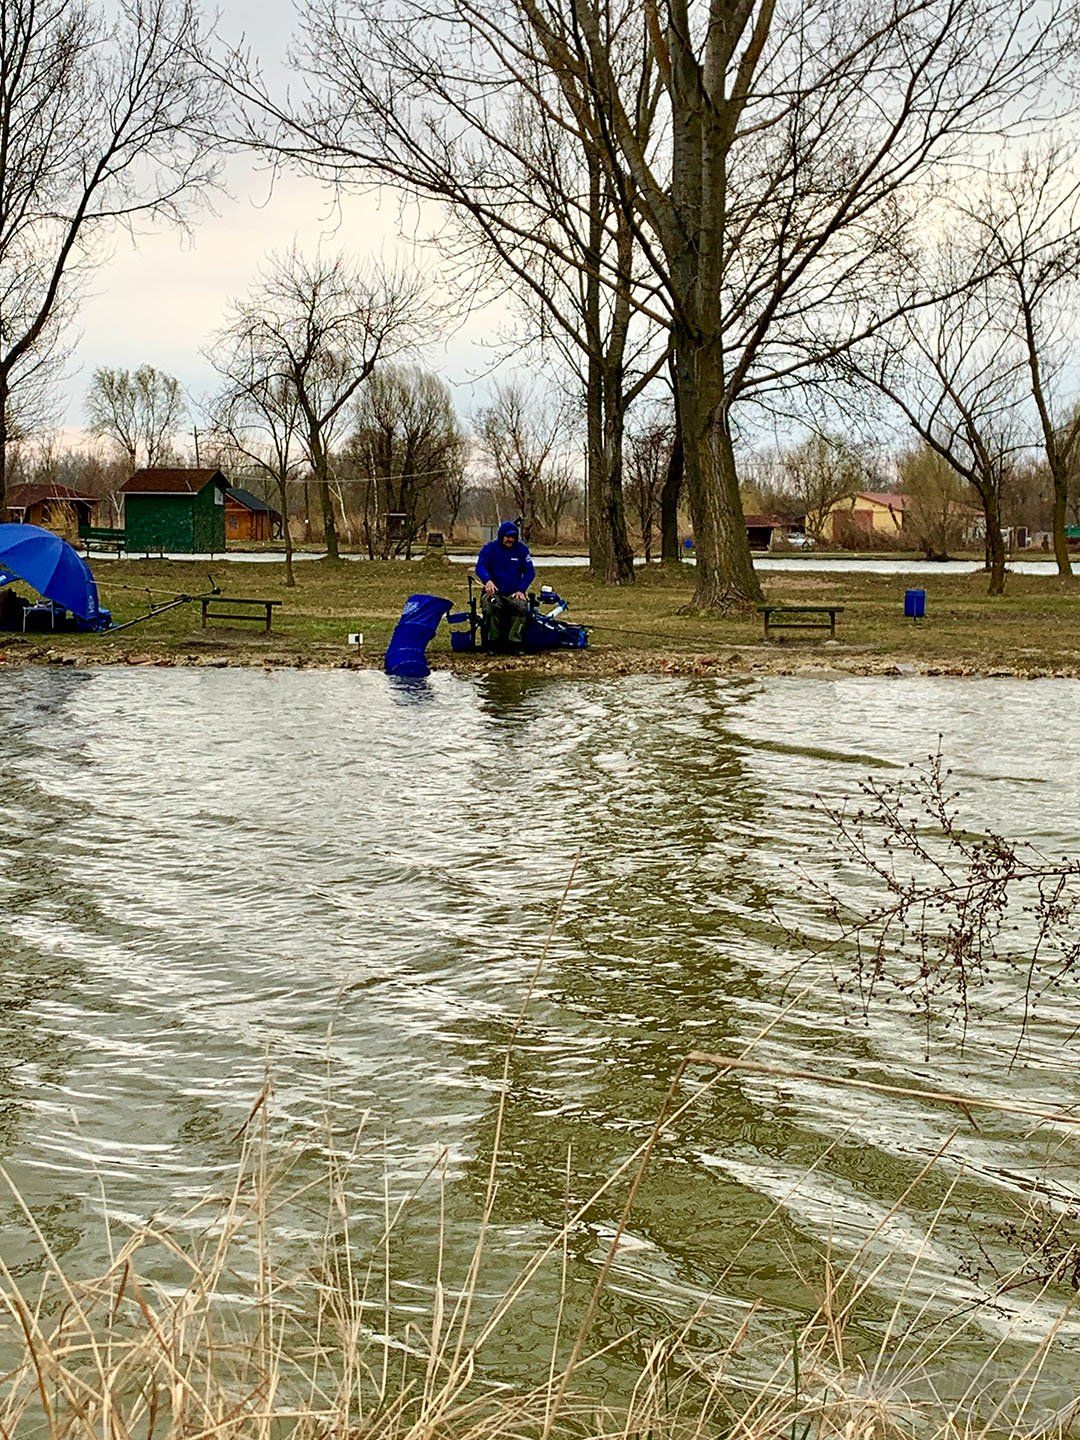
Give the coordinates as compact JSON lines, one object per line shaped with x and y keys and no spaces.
{"x":356,"y":637}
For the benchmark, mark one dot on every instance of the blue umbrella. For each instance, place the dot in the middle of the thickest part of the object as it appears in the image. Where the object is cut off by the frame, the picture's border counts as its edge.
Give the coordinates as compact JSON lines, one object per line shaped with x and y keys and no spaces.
{"x":50,"y":566}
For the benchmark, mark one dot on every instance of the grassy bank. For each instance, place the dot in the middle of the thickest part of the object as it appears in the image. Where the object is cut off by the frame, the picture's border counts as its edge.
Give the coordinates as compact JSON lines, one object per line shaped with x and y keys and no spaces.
{"x":1033,"y":630}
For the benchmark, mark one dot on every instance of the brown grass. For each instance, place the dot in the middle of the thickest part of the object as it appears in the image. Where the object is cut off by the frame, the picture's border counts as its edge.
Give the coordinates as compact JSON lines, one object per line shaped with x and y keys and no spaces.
{"x":251,"y":1337}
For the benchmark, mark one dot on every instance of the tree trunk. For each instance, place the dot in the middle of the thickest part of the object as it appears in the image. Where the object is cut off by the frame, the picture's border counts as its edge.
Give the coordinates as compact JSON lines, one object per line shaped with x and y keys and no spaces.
{"x":995,"y":543}
{"x":330,"y":539}
{"x":286,"y":533}
{"x":726,"y":579}
{"x":3,"y":443}
{"x":320,"y":465}
{"x":611,"y":557}
{"x":670,"y":496}
{"x":1061,"y":544}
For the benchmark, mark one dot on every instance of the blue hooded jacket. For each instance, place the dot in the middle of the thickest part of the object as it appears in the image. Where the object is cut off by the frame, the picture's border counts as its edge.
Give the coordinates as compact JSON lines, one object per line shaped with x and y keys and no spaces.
{"x":510,"y":567}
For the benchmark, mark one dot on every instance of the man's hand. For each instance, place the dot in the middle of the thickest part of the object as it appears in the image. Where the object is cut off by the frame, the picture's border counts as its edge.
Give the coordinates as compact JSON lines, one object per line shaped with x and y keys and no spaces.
{"x":517,"y":595}
{"x":489,"y":589}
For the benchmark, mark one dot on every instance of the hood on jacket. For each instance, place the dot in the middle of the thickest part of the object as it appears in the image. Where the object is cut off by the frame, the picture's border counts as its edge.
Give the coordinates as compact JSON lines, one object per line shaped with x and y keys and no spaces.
{"x":508,"y":528}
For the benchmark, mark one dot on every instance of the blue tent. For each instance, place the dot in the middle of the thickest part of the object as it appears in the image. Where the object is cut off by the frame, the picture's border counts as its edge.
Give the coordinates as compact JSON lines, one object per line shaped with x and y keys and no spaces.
{"x":50,"y":566}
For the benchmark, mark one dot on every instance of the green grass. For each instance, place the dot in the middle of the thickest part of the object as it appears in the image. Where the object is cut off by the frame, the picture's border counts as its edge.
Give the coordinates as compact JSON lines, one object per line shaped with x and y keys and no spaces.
{"x":1033,"y":629}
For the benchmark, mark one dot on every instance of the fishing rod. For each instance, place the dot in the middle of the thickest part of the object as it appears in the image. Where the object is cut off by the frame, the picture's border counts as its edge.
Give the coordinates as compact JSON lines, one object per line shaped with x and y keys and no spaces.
{"x":161,"y":609}
{"x":655,"y":635}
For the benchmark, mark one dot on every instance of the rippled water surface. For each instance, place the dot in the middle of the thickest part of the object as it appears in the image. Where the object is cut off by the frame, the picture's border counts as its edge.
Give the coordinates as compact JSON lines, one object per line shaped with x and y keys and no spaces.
{"x":208,"y":873}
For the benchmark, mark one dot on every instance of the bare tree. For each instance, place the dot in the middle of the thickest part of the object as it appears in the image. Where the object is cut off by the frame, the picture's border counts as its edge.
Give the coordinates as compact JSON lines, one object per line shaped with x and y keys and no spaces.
{"x":104,"y":119}
{"x":784,"y":164}
{"x":320,"y":327}
{"x":522,"y":438}
{"x":461,"y":104}
{"x":455,"y":487}
{"x":258,"y":416}
{"x":409,"y":446}
{"x":952,"y":373}
{"x":798,"y":135}
{"x":140,"y":411}
{"x":1029,"y":223}
{"x":938,"y":515}
{"x":820,"y":472}
{"x":649,"y":449}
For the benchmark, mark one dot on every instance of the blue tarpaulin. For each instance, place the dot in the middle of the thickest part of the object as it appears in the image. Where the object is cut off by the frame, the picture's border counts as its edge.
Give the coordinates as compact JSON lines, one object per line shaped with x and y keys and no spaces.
{"x":50,"y":566}
{"x":412,"y":634}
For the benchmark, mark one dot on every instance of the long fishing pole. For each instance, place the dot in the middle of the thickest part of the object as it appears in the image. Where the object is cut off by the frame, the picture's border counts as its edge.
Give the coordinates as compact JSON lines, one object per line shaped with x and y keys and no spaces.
{"x":161,"y":609}
{"x":654,"y":634}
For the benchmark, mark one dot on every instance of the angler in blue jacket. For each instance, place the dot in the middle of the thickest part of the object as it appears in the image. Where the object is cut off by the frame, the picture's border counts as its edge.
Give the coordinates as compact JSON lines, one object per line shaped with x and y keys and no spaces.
{"x":505,"y":569}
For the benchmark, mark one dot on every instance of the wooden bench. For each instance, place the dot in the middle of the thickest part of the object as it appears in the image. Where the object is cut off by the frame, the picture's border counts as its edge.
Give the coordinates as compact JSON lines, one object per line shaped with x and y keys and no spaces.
{"x":260,"y":611}
{"x":99,"y":537}
{"x":814,"y":617}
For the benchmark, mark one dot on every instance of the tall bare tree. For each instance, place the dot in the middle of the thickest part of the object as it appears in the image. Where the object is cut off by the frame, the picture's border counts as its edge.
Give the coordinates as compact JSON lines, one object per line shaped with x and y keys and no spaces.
{"x":818,"y":473}
{"x":407,"y":444}
{"x":649,"y":448}
{"x":1029,"y":223}
{"x":104,"y":119}
{"x":952,"y":372}
{"x":787,"y":154}
{"x":320,"y":326}
{"x":798,"y":132}
{"x":408,"y":95}
{"x":140,"y":411}
{"x":258,"y":417}
{"x":524,"y":442}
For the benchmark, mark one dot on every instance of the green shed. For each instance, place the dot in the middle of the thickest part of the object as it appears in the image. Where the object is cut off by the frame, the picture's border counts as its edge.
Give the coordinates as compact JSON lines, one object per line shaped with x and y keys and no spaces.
{"x":175,"y":509}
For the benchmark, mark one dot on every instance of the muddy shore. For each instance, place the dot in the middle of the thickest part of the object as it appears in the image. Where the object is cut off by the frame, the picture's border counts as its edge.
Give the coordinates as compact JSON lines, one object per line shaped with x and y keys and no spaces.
{"x":775,"y":659}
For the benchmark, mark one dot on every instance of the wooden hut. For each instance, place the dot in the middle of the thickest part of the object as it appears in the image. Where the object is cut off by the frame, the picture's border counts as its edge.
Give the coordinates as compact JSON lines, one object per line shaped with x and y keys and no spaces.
{"x":175,"y":509}
{"x":249,"y":518}
{"x":53,"y":507}
{"x":763,"y":531}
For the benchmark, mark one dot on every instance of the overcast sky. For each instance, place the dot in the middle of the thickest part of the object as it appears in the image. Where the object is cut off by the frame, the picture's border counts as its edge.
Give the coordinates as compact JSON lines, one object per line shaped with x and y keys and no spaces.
{"x":159,"y":302}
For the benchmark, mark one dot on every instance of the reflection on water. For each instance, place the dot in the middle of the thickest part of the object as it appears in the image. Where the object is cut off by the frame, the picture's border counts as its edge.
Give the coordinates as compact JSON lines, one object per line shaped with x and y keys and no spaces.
{"x":353,"y":877}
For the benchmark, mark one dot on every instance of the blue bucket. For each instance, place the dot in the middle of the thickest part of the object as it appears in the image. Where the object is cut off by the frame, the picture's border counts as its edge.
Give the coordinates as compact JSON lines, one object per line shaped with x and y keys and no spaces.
{"x":914,"y":604}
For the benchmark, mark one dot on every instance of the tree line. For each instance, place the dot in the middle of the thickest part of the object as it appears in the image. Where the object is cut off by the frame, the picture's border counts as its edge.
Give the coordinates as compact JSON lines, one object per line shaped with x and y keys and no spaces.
{"x":770,"y":211}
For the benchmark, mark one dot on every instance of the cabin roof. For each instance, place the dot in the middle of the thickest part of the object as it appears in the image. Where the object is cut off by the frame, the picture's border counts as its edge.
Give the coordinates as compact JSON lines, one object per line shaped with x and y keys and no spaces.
{"x":248,"y":500}
{"x":21,"y":497}
{"x":170,"y":480}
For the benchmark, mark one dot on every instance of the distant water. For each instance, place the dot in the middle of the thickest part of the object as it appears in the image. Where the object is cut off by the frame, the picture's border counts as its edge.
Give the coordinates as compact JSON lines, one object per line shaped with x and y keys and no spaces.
{"x":207,"y":871}
{"x":810,"y":563}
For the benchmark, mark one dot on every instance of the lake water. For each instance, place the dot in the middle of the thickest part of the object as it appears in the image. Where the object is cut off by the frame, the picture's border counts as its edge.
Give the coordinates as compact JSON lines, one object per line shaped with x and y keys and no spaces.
{"x":350,"y":881}
{"x":848,"y":564}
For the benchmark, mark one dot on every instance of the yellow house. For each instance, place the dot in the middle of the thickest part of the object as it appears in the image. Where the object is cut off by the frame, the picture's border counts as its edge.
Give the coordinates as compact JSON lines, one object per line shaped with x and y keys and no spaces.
{"x":861,"y":519}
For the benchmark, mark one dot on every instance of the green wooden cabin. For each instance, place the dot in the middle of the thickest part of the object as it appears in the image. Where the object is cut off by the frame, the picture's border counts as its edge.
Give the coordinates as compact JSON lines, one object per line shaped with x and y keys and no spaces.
{"x":175,"y":509}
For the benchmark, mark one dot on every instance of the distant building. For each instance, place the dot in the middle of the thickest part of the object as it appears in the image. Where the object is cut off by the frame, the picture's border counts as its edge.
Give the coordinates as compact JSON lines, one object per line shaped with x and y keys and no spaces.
{"x":249,"y":518}
{"x":171,"y":508}
{"x":763,"y":531}
{"x":861,"y":519}
{"x":53,"y":507}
